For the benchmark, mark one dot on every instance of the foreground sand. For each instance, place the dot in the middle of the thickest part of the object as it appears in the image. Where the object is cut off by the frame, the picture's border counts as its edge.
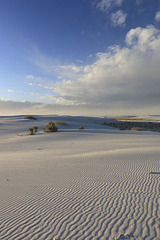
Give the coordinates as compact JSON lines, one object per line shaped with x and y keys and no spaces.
{"x":98,"y":183}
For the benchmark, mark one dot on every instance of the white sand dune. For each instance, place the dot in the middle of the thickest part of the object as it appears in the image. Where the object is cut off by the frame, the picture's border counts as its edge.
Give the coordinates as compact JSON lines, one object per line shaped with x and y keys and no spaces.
{"x":97,"y":183}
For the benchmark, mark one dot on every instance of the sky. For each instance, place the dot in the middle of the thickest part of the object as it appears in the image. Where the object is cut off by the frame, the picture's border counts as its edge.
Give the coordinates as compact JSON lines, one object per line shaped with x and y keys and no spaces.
{"x":79,"y":57}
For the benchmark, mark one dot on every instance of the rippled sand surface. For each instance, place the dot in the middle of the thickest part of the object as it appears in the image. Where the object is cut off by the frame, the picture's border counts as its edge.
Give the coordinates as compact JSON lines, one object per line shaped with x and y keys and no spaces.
{"x":97,"y":183}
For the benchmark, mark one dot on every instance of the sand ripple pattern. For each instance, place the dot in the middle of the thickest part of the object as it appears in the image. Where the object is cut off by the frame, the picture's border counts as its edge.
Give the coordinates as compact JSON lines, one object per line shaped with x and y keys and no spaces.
{"x":100,"y":196}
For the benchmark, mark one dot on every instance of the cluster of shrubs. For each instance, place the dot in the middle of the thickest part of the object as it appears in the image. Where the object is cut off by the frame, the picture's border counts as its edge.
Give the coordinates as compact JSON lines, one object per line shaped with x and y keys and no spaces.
{"x":51,"y":127}
{"x":135,"y":126}
{"x":33,"y":130}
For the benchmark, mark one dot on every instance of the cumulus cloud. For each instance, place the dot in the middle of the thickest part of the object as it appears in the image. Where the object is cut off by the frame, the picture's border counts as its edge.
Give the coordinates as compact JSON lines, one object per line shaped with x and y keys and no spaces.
{"x":157,"y":16}
{"x":144,"y":39}
{"x":106,"y":5}
{"x":121,"y":77}
{"x":118,"y":18}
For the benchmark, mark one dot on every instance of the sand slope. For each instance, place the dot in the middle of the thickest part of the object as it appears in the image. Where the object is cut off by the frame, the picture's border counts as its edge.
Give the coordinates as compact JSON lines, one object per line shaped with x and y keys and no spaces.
{"x":98,"y":183}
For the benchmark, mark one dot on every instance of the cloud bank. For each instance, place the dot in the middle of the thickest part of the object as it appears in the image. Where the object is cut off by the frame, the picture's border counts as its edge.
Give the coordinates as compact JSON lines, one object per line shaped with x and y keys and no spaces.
{"x":120,"y":77}
{"x":12,"y":108}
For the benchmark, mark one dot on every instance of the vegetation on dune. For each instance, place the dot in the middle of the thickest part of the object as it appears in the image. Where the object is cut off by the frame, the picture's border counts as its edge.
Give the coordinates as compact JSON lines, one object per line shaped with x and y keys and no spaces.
{"x":31,"y":131}
{"x":135,"y":126}
{"x":35,"y":128}
{"x":30,"y":117}
{"x":51,"y":127}
{"x":81,"y":127}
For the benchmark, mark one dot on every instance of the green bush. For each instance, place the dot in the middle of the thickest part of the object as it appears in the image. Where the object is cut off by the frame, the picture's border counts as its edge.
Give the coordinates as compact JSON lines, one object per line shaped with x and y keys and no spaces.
{"x":81,"y":127}
{"x":35,"y":128}
{"x":31,"y":131}
{"x":51,"y":127}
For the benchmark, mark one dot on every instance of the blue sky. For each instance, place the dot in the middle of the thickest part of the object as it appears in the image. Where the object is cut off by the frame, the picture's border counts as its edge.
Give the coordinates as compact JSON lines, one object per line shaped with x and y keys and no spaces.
{"x":79,"y":56}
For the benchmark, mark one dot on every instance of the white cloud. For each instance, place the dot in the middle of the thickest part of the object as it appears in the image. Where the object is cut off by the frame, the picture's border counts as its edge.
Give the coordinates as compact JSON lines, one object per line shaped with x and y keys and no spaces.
{"x":157,"y":16}
{"x":144,"y":39}
{"x":71,"y":67}
{"x":106,"y":5}
{"x":45,"y":85}
{"x":121,"y":77}
{"x":69,"y":71}
{"x":118,"y":18}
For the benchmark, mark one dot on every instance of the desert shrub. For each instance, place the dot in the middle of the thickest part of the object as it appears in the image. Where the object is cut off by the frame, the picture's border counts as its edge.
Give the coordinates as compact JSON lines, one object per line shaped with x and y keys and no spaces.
{"x":51,"y":127}
{"x":30,"y":117}
{"x":61,"y":123}
{"x":81,"y":127}
{"x":31,"y":131}
{"x":35,"y":128}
